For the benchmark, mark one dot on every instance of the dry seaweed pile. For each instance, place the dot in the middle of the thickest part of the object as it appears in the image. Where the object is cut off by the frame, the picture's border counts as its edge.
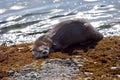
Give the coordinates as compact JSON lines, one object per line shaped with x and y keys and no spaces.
{"x":101,"y":63}
{"x":14,"y":58}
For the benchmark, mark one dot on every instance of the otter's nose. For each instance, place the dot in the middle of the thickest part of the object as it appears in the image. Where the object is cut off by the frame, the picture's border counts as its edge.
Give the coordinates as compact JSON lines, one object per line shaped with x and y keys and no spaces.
{"x":45,"y":52}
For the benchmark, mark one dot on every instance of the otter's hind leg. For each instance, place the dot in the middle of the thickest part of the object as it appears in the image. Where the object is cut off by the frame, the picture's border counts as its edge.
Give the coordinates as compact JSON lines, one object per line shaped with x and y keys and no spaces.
{"x":87,"y":45}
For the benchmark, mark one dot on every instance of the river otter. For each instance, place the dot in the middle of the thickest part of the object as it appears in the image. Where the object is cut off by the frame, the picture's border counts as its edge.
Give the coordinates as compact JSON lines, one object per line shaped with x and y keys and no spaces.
{"x":65,"y":34}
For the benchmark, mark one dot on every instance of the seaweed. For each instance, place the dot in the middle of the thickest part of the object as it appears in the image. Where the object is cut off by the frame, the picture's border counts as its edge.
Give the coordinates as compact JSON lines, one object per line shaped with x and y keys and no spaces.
{"x":101,"y":63}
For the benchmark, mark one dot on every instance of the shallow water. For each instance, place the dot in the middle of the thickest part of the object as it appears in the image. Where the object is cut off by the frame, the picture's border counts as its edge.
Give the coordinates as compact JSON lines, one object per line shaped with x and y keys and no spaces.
{"x":25,"y":20}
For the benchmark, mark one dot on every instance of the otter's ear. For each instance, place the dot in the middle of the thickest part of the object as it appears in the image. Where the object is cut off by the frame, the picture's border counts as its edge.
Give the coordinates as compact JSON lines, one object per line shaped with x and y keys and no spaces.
{"x":50,"y":40}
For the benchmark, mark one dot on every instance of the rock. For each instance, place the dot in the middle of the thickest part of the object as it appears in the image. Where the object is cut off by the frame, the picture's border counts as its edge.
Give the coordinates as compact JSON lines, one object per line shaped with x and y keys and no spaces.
{"x":53,"y":69}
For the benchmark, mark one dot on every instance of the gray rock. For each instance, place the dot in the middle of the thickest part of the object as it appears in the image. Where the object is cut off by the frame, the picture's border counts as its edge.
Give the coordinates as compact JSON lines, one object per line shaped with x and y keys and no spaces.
{"x":53,"y":69}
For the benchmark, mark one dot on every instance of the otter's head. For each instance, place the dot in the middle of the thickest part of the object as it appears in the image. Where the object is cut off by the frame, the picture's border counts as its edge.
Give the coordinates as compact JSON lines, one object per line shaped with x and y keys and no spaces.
{"x":41,"y":47}
{"x":40,"y":51}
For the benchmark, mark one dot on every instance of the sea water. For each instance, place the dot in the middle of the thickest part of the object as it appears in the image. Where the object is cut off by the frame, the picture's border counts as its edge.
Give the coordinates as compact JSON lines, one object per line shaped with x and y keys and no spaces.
{"x":25,"y":20}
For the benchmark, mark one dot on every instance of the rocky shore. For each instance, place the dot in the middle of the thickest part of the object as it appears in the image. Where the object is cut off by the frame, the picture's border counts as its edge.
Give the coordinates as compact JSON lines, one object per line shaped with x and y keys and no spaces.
{"x":99,"y":63}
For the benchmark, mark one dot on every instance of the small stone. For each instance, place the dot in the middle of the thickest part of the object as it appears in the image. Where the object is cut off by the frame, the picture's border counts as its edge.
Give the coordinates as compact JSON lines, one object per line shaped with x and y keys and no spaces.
{"x":10,"y":72}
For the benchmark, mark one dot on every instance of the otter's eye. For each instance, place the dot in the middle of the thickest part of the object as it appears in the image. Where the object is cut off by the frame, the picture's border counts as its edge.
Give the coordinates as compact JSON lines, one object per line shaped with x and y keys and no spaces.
{"x":39,"y":51}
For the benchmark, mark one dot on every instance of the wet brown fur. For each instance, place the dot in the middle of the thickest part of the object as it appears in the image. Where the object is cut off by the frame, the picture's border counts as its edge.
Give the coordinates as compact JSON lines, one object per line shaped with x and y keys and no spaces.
{"x":67,"y":33}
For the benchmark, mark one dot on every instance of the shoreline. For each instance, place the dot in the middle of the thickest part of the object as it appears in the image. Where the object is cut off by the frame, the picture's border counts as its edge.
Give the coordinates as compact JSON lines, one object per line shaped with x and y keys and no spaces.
{"x":102,"y":62}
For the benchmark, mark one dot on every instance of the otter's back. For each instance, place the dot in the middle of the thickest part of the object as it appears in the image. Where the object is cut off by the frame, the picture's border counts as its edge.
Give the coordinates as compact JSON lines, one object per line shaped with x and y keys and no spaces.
{"x":70,"y":32}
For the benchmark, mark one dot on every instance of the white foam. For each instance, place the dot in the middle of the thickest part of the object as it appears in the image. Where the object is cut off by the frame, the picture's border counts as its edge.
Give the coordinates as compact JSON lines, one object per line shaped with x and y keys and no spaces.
{"x":90,"y":0}
{"x":56,"y":10}
{"x":12,"y":18}
{"x":2,"y":11}
{"x":16,"y":7}
{"x":54,"y":1}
